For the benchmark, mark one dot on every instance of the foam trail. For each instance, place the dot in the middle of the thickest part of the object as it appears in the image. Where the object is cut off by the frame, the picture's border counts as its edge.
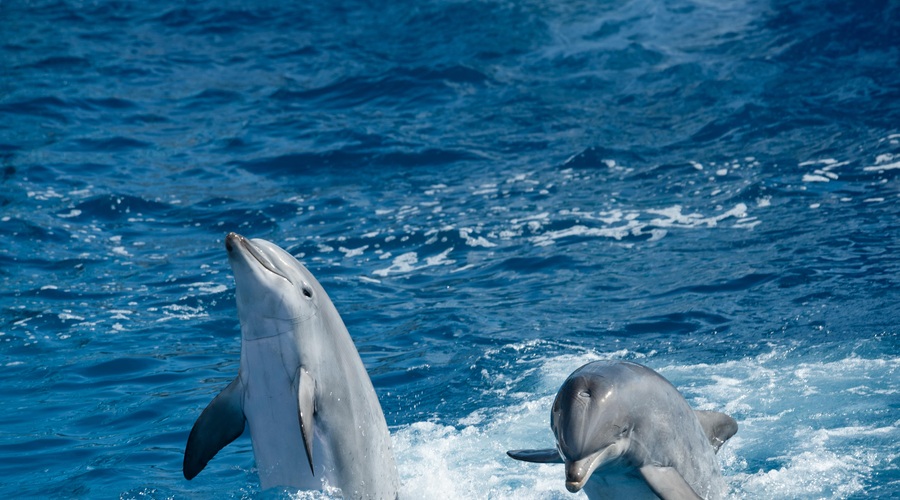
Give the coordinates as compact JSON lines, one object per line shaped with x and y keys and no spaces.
{"x":439,"y":461}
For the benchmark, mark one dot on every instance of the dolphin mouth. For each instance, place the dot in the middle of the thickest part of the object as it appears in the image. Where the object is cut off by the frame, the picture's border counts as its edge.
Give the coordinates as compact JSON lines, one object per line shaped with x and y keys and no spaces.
{"x":235,"y":241}
{"x":574,"y":486}
{"x":578,"y":472}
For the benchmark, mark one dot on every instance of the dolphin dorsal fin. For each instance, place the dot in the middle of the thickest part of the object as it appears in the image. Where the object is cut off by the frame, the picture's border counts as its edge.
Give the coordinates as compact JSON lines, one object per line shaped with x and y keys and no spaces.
{"x":546,"y":456}
{"x":221,"y":422}
{"x":718,"y":427}
{"x":305,"y":389}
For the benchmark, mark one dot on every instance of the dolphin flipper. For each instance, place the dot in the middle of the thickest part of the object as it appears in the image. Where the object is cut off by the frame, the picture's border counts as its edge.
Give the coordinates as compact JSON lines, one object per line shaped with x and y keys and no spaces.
{"x":718,"y":427}
{"x":221,"y":422}
{"x":305,"y":388}
{"x":667,"y":483}
{"x":546,"y":456}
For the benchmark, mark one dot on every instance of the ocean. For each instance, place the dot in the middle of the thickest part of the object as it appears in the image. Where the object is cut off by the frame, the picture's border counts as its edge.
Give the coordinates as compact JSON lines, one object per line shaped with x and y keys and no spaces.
{"x":493,"y":193}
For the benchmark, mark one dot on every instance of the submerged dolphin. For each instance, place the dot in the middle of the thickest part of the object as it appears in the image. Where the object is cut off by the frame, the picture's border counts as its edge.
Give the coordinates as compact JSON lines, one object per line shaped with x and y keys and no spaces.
{"x":624,"y":431}
{"x":315,"y":421}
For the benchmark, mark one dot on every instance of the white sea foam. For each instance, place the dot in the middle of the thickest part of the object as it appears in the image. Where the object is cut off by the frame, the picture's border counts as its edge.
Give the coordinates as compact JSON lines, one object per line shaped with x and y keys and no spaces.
{"x":403,"y":263}
{"x":71,"y":213}
{"x":409,"y":262}
{"x":825,"y":171}
{"x":884,"y":161}
{"x":468,"y":461}
{"x":883,"y":166}
{"x":183,"y":312}
{"x":620,"y":224}
{"x":480,"y":241}
{"x":206,"y":287}
{"x":120,"y":313}
{"x":673,"y":217}
{"x":44,"y":195}
{"x":485,"y":189}
{"x":579,"y":230}
{"x":353,"y":252}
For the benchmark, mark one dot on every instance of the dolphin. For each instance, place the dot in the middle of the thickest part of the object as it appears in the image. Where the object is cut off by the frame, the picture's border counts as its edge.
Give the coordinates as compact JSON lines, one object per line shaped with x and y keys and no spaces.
{"x":624,"y":431}
{"x":314,"y":418}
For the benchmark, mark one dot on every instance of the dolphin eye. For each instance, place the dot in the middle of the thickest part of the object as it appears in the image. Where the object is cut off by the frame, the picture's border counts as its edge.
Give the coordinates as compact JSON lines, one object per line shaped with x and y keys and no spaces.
{"x":307,"y":292}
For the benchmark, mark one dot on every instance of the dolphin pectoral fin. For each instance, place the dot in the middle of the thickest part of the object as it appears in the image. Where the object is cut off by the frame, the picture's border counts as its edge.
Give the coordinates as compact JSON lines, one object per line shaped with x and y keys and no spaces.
{"x":221,"y":422}
{"x":667,"y":483}
{"x":718,"y":427}
{"x":547,"y":456}
{"x":305,"y":388}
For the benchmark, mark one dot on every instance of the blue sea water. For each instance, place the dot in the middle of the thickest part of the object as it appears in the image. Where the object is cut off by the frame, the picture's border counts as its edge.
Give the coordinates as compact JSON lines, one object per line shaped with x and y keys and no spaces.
{"x":493,"y":193}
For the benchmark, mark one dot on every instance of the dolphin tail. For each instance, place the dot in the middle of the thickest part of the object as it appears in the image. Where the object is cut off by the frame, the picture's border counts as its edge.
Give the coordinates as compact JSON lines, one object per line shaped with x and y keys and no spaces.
{"x":547,"y":456}
{"x":718,"y":427}
{"x":305,"y":389}
{"x":220,"y":423}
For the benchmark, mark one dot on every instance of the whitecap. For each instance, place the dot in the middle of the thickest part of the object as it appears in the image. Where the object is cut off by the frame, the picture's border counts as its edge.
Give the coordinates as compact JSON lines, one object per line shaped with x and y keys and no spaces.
{"x":353,"y":252}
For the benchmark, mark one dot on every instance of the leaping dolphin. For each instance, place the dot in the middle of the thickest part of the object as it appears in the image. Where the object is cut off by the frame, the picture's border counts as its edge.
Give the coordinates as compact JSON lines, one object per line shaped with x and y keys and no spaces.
{"x":624,"y":431}
{"x":314,"y":417}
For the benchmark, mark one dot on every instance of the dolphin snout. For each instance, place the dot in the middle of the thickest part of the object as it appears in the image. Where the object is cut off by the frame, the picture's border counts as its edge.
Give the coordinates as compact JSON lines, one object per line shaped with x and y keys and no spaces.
{"x":574,"y":486}
{"x":231,"y":241}
{"x":578,"y":472}
{"x":241,"y":248}
{"x":575,"y":477}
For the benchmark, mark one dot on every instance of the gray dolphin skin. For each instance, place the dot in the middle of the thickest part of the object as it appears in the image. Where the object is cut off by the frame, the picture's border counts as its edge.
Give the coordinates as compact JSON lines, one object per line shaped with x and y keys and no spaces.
{"x":315,"y":420}
{"x":624,"y":431}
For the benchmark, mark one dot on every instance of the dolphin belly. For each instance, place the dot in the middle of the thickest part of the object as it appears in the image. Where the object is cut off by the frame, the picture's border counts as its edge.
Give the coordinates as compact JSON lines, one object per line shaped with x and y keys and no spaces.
{"x":271,"y":409}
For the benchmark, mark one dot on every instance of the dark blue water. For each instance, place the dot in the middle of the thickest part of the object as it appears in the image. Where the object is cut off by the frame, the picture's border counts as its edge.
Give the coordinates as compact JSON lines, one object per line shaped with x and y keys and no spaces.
{"x":492,"y":193}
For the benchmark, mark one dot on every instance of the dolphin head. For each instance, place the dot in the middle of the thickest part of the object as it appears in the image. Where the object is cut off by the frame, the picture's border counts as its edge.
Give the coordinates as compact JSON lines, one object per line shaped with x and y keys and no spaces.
{"x":591,"y":428}
{"x":273,"y":290}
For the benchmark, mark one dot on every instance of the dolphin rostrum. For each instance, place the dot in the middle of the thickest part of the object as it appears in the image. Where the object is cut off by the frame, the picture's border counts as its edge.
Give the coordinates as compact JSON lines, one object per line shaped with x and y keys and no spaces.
{"x":624,"y":431}
{"x":315,"y":421}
